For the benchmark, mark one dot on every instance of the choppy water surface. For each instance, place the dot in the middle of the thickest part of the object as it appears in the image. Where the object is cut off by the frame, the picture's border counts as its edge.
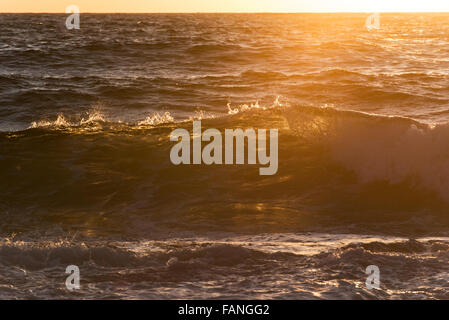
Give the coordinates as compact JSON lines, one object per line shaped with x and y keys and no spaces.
{"x":86,"y":178}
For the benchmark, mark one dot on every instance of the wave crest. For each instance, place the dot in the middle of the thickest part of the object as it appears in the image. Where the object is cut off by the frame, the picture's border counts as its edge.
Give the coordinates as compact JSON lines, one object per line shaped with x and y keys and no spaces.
{"x":157,"y":118}
{"x":61,"y":121}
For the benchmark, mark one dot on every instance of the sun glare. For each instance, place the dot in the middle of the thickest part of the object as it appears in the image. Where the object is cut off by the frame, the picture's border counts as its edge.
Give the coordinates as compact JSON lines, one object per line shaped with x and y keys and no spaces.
{"x":227,"y":6}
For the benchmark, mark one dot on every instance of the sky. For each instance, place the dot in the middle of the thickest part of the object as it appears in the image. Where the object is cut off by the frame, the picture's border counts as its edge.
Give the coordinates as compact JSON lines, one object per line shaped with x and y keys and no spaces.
{"x":226,"y":5}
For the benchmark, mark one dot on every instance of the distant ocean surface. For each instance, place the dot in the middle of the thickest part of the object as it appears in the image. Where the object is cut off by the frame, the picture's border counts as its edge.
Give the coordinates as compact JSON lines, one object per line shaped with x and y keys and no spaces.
{"x":86,"y":178}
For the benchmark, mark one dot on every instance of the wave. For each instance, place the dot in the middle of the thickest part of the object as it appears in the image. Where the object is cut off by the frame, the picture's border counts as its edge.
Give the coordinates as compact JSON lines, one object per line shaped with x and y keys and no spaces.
{"x":62,"y":122}
{"x":380,"y":148}
{"x":101,"y":122}
{"x":337,"y":169}
{"x":252,"y":107}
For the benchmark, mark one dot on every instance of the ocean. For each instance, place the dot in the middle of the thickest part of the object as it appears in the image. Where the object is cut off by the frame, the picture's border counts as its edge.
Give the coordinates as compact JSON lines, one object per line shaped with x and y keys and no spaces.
{"x":86,"y":176}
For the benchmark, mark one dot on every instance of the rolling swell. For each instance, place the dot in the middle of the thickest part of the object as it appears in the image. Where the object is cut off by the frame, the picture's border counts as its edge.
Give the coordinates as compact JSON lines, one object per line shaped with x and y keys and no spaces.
{"x":336,"y":168}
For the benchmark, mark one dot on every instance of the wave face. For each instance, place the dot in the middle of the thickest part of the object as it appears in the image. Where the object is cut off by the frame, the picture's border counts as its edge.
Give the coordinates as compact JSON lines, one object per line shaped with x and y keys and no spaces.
{"x":336,"y":169}
{"x":363,"y":177}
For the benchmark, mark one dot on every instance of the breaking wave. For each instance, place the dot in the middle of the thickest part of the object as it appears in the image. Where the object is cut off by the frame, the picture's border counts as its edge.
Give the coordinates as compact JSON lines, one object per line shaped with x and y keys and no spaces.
{"x":336,"y":168}
{"x":380,"y":148}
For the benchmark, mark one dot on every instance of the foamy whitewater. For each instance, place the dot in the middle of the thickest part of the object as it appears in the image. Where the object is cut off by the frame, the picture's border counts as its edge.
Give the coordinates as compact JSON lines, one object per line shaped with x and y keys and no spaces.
{"x":86,"y":177}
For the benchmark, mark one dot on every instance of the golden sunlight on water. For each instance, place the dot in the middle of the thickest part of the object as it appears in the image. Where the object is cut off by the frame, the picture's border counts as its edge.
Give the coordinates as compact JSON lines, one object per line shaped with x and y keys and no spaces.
{"x":359,"y":117}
